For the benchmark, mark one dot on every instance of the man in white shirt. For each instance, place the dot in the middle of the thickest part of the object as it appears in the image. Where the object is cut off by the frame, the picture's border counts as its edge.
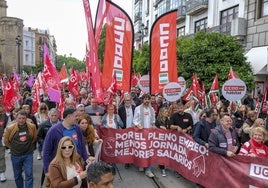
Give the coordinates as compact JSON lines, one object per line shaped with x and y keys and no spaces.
{"x":144,"y":117}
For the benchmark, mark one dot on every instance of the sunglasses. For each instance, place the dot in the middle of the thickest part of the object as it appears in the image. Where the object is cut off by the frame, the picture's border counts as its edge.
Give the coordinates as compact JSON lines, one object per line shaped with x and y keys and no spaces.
{"x":67,"y":147}
{"x":42,"y":108}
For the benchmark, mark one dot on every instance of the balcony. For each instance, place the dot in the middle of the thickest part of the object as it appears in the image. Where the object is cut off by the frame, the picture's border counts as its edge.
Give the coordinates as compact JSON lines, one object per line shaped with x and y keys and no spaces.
{"x":224,"y":28}
{"x":156,"y":2}
{"x":236,"y":28}
{"x":137,"y":16}
{"x":181,"y":13}
{"x":195,"y":6}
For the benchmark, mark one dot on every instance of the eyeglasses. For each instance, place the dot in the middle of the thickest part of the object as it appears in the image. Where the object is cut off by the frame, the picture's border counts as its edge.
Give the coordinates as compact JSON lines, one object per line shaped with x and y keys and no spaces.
{"x":42,"y":108}
{"x":67,"y":147}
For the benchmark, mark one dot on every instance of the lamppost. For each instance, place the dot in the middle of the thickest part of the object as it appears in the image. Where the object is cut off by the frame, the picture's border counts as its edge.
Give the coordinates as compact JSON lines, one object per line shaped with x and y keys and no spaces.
{"x":143,"y":32}
{"x":18,"y":42}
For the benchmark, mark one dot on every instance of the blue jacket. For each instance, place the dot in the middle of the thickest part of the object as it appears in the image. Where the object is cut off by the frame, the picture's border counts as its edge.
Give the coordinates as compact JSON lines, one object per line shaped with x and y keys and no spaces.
{"x":218,"y":142}
{"x":54,"y":134}
{"x":202,"y":131}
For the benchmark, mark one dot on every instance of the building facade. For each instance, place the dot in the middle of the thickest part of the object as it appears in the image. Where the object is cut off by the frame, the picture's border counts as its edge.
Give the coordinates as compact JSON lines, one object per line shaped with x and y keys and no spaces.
{"x":247,"y":20}
{"x":21,"y":46}
{"x":10,"y":51}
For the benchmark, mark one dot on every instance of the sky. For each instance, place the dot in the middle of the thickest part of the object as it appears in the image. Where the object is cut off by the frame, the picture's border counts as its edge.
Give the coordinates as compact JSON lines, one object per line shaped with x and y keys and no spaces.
{"x":65,"y":19}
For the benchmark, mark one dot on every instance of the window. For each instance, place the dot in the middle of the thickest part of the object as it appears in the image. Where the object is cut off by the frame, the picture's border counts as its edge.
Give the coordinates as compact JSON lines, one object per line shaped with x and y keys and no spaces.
{"x":265,"y":9}
{"x":229,"y":14}
{"x":201,"y":24}
{"x":161,"y":8}
{"x":181,"y":31}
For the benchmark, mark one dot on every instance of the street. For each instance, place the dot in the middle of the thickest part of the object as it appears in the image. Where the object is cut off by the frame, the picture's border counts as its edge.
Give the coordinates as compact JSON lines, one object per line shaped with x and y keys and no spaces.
{"x":131,"y":178}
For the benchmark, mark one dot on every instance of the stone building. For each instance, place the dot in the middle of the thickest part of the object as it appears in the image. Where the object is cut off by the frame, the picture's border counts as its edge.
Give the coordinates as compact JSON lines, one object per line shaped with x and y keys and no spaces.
{"x":21,"y":46}
{"x":10,"y":28}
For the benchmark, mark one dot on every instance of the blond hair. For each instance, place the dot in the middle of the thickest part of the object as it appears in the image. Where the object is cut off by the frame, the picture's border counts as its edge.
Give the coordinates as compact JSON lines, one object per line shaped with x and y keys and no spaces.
{"x":59,"y":158}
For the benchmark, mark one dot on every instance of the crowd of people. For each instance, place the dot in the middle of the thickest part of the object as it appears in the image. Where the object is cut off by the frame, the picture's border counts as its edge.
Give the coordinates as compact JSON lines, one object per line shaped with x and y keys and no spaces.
{"x":68,"y":143}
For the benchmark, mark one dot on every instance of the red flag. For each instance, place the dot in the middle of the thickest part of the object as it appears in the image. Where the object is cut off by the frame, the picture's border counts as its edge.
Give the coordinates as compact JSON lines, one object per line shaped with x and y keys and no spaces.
{"x":264,"y":100}
{"x":188,"y":95}
{"x":50,"y":74}
{"x":16,"y":82}
{"x":94,"y":69}
{"x":63,"y":74}
{"x":214,"y":91}
{"x":100,"y":15}
{"x":36,"y":95}
{"x":134,"y":79}
{"x":232,"y":74}
{"x":111,"y":91}
{"x":196,"y":88}
{"x":163,"y":52}
{"x":194,"y":92}
{"x":203,"y":97}
{"x":73,"y":84}
{"x":118,"y":48}
{"x":10,"y":96}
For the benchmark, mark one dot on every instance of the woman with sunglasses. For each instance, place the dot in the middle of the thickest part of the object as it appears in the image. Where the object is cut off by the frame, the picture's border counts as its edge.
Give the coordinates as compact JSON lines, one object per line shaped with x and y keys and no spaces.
{"x":67,"y":169}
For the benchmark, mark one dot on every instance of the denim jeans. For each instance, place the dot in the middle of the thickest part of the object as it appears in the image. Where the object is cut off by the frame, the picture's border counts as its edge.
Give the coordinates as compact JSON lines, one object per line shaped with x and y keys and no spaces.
{"x":23,"y":163}
{"x":2,"y":157}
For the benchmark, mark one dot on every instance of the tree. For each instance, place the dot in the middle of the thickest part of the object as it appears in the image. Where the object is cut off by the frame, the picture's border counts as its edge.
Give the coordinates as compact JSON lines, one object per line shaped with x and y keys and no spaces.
{"x":141,"y":60}
{"x":69,"y":63}
{"x":208,"y":54}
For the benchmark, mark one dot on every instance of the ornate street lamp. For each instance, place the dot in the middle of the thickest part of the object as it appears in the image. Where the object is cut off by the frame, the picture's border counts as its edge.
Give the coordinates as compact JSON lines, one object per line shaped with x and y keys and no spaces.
{"x":18,"y":42}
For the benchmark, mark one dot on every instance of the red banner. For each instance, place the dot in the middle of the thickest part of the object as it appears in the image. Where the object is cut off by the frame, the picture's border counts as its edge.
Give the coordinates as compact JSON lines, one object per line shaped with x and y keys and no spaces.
{"x":118,"y":48}
{"x":92,"y":58}
{"x":144,"y":147}
{"x":163,"y":52}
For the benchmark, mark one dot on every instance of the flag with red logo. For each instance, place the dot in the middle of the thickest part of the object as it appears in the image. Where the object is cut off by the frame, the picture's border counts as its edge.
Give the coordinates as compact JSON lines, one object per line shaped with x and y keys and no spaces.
{"x":10,"y":96}
{"x":118,"y":48}
{"x":73,"y":84}
{"x":214,"y":91}
{"x":163,"y":62}
{"x":194,"y":92}
{"x":50,"y":74}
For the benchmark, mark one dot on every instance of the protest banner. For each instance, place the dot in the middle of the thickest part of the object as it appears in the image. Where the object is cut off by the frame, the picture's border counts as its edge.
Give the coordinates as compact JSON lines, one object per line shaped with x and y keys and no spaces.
{"x":145,"y":147}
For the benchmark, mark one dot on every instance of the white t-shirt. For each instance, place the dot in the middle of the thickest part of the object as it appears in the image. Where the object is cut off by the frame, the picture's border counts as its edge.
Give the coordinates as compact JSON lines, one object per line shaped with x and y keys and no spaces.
{"x":71,"y":173}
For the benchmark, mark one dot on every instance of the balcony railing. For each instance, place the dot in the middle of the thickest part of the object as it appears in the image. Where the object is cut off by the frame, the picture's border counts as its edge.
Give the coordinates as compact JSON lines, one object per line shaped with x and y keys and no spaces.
{"x":224,"y":28}
{"x":181,"y":13}
{"x":137,"y":16}
{"x":156,"y":2}
{"x":195,"y":6}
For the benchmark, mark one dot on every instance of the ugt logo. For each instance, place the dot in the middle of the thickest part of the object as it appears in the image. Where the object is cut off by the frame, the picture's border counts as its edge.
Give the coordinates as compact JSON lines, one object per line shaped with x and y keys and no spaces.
{"x":259,"y":171}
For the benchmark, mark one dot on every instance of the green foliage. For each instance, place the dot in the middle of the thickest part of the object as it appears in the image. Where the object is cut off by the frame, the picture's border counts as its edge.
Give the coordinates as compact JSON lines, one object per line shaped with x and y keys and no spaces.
{"x":69,"y":63}
{"x":141,"y":60}
{"x":208,"y":54}
{"x":101,"y":47}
